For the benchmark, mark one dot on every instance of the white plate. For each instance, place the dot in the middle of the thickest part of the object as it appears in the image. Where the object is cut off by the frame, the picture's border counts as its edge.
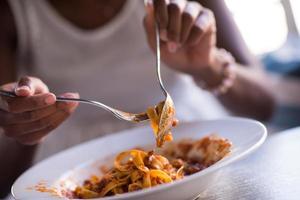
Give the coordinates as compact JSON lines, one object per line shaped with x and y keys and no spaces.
{"x":78,"y":163}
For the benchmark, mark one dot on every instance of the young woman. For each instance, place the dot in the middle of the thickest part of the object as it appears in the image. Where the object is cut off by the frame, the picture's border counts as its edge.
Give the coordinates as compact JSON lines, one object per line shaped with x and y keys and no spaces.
{"x":99,"y":50}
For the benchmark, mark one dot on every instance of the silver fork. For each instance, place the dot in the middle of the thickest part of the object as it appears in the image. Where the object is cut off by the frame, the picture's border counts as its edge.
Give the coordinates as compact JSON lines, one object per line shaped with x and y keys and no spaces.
{"x":131,"y":117}
{"x":164,"y":125}
{"x":166,"y":118}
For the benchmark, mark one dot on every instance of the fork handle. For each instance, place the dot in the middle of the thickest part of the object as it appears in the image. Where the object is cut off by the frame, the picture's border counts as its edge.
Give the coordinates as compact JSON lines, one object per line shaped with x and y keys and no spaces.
{"x":65,"y":99}
{"x":119,"y":114}
{"x":7,"y":93}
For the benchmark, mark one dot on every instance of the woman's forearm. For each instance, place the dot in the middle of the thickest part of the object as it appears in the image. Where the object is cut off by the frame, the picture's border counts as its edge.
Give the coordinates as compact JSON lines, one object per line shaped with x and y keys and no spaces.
{"x":15,"y":158}
{"x":242,"y":90}
{"x":248,"y":96}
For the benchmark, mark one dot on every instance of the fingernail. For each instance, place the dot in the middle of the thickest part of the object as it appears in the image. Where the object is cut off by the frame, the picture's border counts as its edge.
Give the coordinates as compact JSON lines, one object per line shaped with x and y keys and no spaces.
{"x":148,"y":6}
{"x":50,"y":99}
{"x":70,"y":95}
{"x":172,"y":47}
{"x":178,"y":3}
{"x":148,"y":2}
{"x":202,"y":22}
{"x":24,"y":87}
{"x":23,"y":90}
{"x":163,"y":35}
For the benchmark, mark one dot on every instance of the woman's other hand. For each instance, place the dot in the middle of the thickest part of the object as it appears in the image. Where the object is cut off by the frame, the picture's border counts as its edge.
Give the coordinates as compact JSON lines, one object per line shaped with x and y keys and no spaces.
{"x":187,"y":33}
{"x":29,"y":117}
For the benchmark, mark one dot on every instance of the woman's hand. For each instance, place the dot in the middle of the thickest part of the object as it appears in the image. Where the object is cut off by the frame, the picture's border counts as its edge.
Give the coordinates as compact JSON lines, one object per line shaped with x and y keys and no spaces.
{"x":188,"y":35}
{"x":29,"y":117}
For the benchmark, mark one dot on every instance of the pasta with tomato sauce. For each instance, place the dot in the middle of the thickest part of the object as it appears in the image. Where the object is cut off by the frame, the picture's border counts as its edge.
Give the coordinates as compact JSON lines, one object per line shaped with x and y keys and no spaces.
{"x":137,"y":169}
{"x":162,"y":120}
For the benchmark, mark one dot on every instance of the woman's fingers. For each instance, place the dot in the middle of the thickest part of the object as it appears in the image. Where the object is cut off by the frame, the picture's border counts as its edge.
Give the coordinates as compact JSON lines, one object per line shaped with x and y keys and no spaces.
{"x":149,"y":24}
{"x":68,"y":107}
{"x":17,"y":130}
{"x":8,"y":87}
{"x":7,"y":118}
{"x":161,"y":15}
{"x":63,"y":110}
{"x":29,"y":103}
{"x":37,"y":121}
{"x":203,"y":23}
{"x":24,"y":87}
{"x":28,"y":86}
{"x":180,"y":22}
{"x":175,"y":9}
{"x":33,"y":94}
{"x":36,"y":136}
{"x":191,"y":11}
{"x":34,"y":113}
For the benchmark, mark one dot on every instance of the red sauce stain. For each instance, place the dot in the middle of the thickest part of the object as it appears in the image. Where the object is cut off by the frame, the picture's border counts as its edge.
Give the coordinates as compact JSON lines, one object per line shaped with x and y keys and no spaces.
{"x":42,"y":186}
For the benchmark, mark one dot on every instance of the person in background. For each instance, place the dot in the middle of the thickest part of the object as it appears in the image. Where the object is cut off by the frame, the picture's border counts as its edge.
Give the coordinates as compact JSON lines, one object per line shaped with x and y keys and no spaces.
{"x":99,"y":49}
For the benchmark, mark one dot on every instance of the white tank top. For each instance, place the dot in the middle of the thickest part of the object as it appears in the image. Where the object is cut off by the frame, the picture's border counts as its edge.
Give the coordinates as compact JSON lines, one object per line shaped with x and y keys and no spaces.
{"x":112,"y":64}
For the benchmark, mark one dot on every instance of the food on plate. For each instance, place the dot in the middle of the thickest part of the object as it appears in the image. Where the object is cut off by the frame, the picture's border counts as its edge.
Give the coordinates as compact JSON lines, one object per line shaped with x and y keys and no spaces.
{"x":162,"y":119}
{"x":137,"y":169}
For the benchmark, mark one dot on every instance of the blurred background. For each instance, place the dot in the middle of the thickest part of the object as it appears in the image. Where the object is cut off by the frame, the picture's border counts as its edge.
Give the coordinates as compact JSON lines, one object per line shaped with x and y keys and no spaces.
{"x":270,"y":28}
{"x":253,"y":16}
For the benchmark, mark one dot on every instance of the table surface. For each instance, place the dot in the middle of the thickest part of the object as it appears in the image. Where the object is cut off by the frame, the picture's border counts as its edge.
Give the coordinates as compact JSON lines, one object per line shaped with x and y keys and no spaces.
{"x":272,"y":172}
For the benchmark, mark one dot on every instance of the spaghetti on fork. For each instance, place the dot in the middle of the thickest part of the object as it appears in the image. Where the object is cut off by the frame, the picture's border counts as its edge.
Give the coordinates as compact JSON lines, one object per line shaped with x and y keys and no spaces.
{"x":162,"y":119}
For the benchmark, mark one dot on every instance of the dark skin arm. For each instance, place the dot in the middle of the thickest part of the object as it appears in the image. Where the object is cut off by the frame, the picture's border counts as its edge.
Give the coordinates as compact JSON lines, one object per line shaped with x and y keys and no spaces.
{"x":248,"y":95}
{"x":15,"y":162}
{"x":28,"y":118}
{"x":17,"y":157}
